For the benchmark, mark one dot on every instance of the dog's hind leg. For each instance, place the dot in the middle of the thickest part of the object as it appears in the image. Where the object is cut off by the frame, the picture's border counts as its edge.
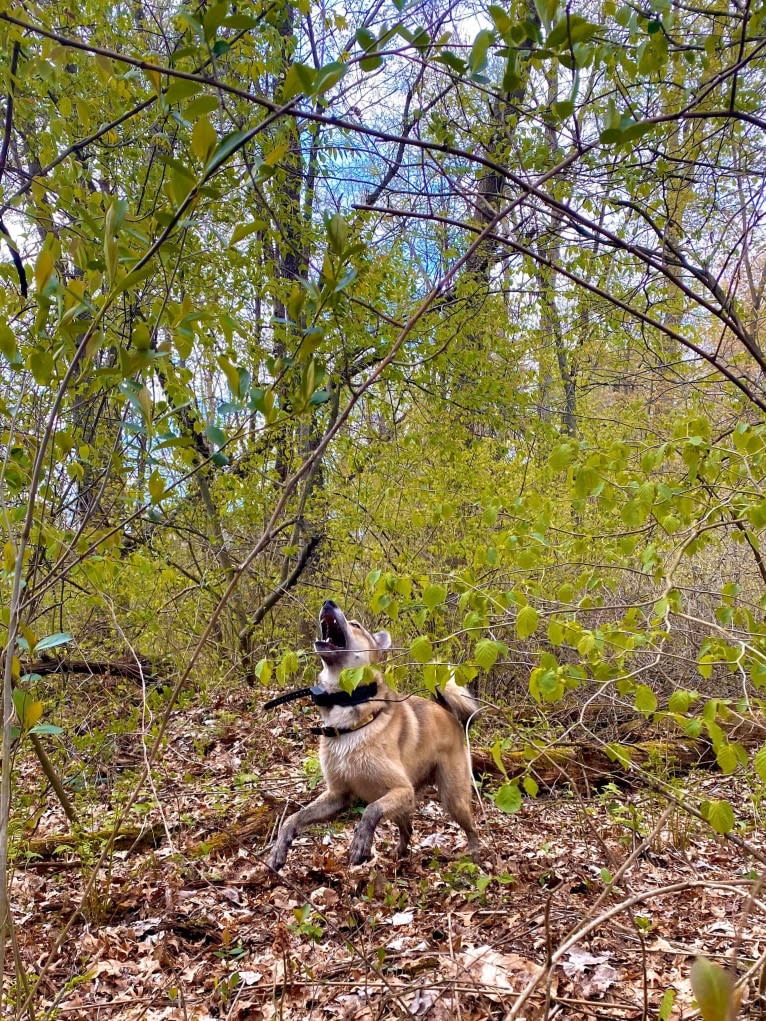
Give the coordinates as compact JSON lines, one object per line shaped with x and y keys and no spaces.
{"x":397,"y":804}
{"x":404,"y":825}
{"x":454,"y":783}
{"x":326,"y":806}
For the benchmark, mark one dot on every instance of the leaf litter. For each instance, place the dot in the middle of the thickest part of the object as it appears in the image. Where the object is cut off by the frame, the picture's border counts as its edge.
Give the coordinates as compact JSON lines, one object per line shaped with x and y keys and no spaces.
{"x":198,"y":927}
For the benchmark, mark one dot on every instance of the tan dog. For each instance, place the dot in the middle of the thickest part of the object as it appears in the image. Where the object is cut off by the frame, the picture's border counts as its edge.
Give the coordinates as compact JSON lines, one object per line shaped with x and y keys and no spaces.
{"x":383,"y":747}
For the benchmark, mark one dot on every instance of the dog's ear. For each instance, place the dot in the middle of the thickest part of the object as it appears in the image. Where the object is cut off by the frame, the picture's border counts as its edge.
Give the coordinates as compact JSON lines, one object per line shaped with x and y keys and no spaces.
{"x":382,"y":639}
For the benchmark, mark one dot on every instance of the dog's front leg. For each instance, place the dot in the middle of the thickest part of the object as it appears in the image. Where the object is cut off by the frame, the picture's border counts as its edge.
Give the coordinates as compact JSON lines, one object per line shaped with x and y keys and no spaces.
{"x":326,"y":806}
{"x":397,"y":804}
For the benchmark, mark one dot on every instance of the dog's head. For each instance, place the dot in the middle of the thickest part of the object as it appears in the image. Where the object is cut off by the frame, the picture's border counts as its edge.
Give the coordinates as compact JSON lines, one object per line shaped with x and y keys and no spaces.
{"x":345,"y":643}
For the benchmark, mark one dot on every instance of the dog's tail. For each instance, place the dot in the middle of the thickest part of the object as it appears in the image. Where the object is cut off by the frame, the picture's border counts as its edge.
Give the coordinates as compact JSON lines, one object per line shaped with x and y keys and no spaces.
{"x":458,"y":700}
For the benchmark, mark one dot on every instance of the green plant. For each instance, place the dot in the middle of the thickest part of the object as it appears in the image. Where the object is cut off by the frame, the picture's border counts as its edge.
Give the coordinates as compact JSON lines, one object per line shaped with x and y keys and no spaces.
{"x":470,"y":880}
{"x":312,"y":770}
{"x":308,"y":923}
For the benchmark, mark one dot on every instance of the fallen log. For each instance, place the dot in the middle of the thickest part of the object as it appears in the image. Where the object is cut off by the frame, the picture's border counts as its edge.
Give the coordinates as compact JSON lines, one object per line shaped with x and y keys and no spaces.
{"x":136,"y":669}
{"x":254,"y":824}
{"x":129,"y":838}
{"x":584,"y":766}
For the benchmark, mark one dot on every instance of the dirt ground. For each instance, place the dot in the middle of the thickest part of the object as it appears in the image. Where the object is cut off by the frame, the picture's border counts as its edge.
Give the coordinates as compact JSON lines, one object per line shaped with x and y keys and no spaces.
{"x":583,"y":907}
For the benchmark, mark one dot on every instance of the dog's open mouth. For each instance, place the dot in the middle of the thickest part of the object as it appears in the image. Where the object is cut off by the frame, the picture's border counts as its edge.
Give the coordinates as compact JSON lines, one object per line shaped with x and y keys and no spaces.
{"x":333,"y":634}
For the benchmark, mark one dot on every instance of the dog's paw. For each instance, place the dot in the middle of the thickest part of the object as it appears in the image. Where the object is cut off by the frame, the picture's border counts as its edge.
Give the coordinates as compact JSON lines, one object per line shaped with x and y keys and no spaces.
{"x":360,"y":850}
{"x":277,"y":858}
{"x":360,"y":857}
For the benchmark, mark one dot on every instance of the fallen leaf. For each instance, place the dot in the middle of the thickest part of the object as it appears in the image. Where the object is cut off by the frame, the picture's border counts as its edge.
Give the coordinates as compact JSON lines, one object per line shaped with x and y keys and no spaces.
{"x":578,"y":960}
{"x":402,"y":918}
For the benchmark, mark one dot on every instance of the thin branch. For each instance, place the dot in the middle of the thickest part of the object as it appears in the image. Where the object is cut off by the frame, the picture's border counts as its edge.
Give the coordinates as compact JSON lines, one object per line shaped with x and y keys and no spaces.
{"x":593,"y":288}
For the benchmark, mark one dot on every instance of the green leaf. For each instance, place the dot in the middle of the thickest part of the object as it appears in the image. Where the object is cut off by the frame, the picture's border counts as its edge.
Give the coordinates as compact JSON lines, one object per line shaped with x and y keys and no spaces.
{"x":215,"y":434}
{"x":155,"y":78}
{"x":287,"y":666}
{"x":562,"y":456}
{"x":531,"y":786}
{"x":726,"y":757}
{"x":41,"y":366}
{"x":434,"y":595}
{"x":421,"y":650}
{"x":759,"y":763}
{"x":508,"y":798}
{"x":680,"y":700}
{"x":337,"y":233}
{"x":618,"y":753}
{"x":28,"y":709}
{"x":497,"y":756}
{"x":366,"y":39}
{"x":204,"y":139}
{"x":242,"y":21}
{"x":720,"y":815}
{"x":111,"y":255}
{"x":487,"y":651}
{"x":351,"y":678}
{"x":570,"y":30}
{"x":526,"y":621}
{"x":477,"y":61}
{"x":645,"y":700}
{"x":232,"y":374}
{"x":328,"y":76}
{"x":500,"y":17}
{"x":263,"y":670}
{"x":43,"y":268}
{"x":451,"y":60}
{"x":201,"y":105}
{"x":549,"y":684}
{"x":7,"y":341}
{"x":229,"y":144}
{"x":704,"y":665}
{"x":145,"y":403}
{"x":298,"y":80}
{"x":46,"y":728}
{"x":586,"y":644}
{"x":370,"y":63}
{"x":666,"y":1005}
{"x":134,"y":277}
{"x":182,"y":88}
{"x":562,"y":109}
{"x":273,"y":156}
{"x":156,"y":486}
{"x":53,"y":641}
{"x":713,"y":989}
{"x":555,"y":631}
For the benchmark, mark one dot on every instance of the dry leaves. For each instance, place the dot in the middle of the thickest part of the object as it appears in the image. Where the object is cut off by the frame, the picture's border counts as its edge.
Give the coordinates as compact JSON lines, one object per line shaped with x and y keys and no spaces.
{"x":204,"y":930}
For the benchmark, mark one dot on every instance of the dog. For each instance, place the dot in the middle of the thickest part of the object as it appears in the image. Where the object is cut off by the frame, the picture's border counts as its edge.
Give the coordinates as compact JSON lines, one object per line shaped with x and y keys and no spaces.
{"x":380,"y":747}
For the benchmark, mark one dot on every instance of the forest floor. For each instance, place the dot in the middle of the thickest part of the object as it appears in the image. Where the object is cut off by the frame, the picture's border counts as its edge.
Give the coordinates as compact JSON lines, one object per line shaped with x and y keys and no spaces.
{"x":198,"y":927}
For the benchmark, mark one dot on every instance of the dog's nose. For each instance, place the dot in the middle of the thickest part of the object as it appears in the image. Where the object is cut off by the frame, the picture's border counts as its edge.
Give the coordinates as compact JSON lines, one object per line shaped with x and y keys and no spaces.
{"x":329,"y":605}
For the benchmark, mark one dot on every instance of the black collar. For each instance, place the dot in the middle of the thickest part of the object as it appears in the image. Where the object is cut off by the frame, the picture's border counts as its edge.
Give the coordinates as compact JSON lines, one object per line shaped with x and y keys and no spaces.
{"x":339,"y":731}
{"x":327,"y":699}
